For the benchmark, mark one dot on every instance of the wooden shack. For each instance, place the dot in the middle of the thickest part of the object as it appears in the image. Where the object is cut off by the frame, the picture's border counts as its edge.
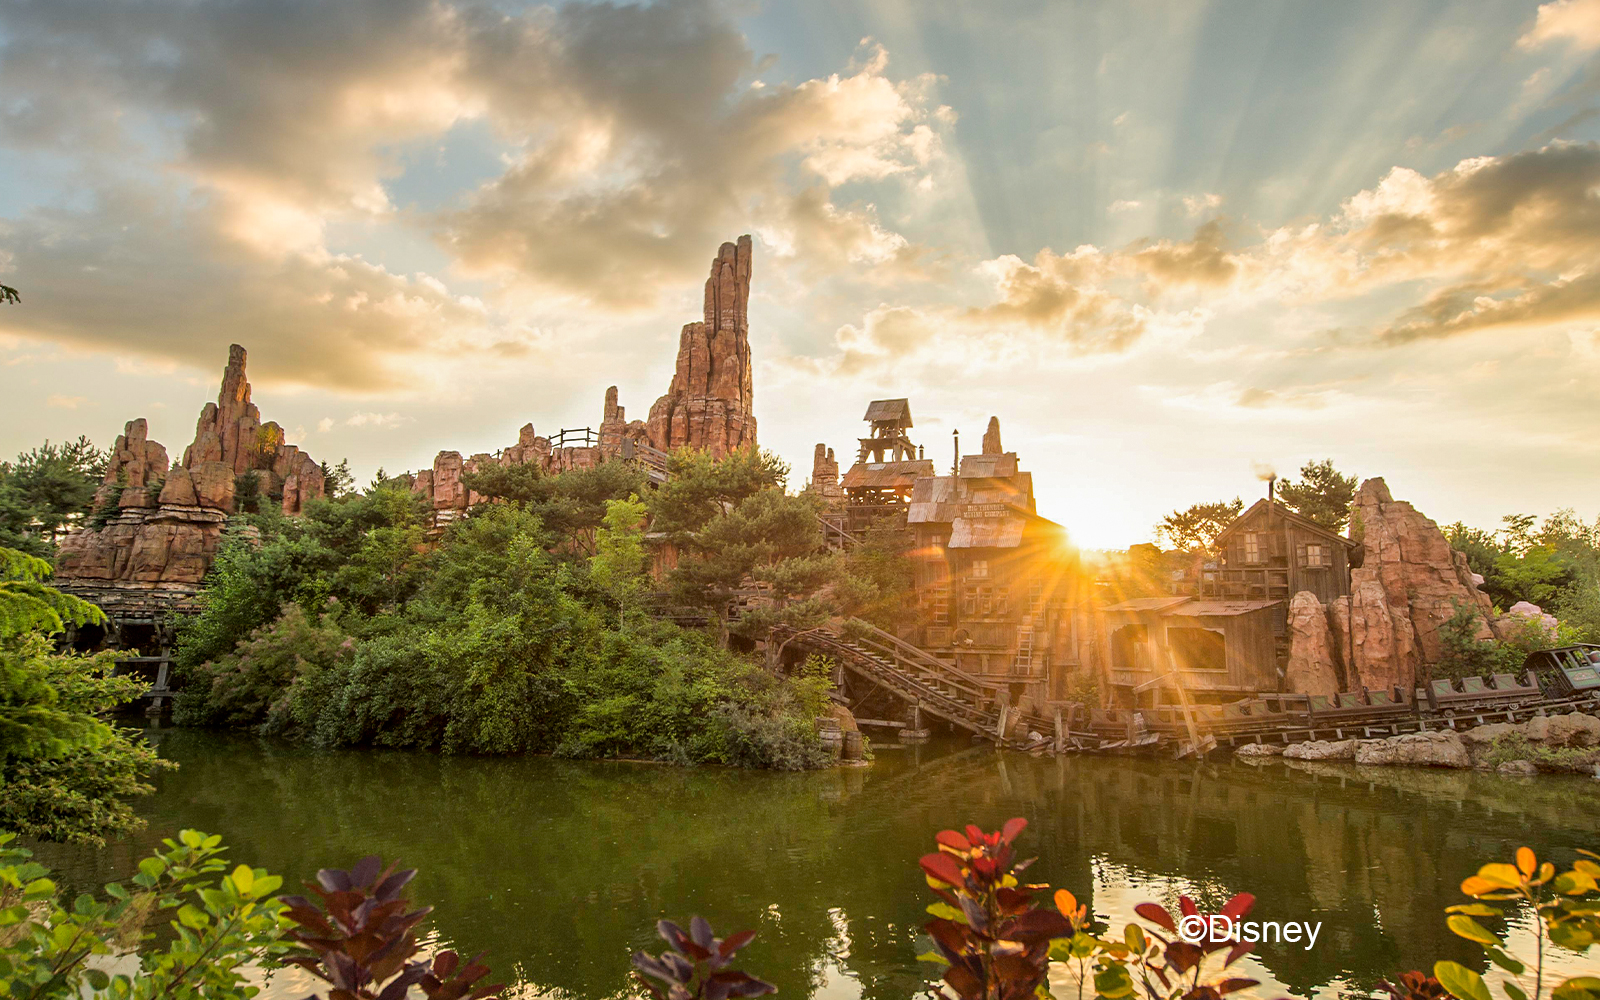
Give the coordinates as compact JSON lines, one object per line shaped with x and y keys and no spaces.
{"x":1272,"y":553}
{"x":1001,"y":589}
{"x":887,"y":467}
{"x":1222,"y":649}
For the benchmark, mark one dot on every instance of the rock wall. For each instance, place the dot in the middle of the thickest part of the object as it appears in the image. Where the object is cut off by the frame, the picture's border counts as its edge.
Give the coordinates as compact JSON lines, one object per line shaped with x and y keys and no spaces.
{"x":708,"y":405}
{"x":162,"y":540}
{"x":825,"y":475}
{"x":1386,"y":632}
{"x":230,"y":433}
{"x":1310,"y":669}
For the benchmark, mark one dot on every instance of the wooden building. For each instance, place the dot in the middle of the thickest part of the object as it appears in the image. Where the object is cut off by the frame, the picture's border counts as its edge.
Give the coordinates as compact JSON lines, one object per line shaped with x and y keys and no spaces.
{"x":1222,"y":649}
{"x":1001,"y":588}
{"x":887,"y":467}
{"x":1272,"y":553}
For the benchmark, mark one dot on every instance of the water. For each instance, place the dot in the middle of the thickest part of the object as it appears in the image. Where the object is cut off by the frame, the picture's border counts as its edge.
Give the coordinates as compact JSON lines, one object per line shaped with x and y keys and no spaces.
{"x":560,"y":869}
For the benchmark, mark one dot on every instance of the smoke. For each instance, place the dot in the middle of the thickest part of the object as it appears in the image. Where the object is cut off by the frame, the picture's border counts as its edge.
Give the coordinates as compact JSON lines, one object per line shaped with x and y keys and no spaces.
{"x":1264,"y":471}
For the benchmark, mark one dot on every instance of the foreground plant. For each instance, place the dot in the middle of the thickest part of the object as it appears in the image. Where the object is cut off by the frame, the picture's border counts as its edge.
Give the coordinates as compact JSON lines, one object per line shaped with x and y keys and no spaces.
{"x":986,"y":927}
{"x":1568,"y":912}
{"x":359,"y":939}
{"x":1173,"y":966}
{"x":220,"y":927}
{"x":694,"y":966}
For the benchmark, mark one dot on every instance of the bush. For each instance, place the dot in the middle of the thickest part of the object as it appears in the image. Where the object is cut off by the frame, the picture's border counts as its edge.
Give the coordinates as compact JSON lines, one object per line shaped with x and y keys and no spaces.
{"x":1515,"y":746}
{"x":240,"y":688}
{"x":1463,"y":654}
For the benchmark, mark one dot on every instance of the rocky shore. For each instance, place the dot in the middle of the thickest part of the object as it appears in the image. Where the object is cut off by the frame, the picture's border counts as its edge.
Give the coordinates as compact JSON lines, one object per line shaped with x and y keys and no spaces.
{"x":1555,"y":743}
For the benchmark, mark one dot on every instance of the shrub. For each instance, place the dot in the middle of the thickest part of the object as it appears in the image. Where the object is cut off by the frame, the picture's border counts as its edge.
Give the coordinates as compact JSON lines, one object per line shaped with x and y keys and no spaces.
{"x":240,"y":688}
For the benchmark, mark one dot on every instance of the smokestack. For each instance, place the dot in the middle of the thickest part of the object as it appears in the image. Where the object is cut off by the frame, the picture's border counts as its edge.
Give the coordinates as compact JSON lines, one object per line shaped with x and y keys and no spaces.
{"x":1272,"y":481}
{"x":955,"y":467}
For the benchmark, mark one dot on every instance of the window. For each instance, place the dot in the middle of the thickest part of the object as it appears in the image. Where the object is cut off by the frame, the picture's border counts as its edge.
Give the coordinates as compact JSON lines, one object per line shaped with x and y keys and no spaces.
{"x":979,"y":570}
{"x":1251,"y":546}
{"x":1198,"y":648}
{"x":939,"y":606}
{"x":1128,"y":648}
{"x":981,"y":602}
{"x":1315,"y":555}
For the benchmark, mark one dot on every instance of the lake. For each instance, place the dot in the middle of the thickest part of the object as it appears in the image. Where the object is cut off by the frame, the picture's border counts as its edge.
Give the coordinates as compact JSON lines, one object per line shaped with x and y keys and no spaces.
{"x":560,"y":869}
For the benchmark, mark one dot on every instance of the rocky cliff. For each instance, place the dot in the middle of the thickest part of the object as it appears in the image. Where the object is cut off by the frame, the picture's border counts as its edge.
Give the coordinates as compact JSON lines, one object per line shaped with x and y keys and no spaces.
{"x":708,"y":404}
{"x":1386,"y":632}
{"x":168,"y":524}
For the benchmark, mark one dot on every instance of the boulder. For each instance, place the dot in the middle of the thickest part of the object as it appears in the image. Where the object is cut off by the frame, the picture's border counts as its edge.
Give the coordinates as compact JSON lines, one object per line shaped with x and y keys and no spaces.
{"x":1259,"y":750}
{"x":1310,"y":668}
{"x":1433,"y":749}
{"x":1528,"y":619}
{"x":1408,"y":585}
{"x":213,"y":485}
{"x":708,"y":404}
{"x":1572,"y":730}
{"x":1322,"y":750}
{"x":1518,"y":767}
{"x":179,"y":488}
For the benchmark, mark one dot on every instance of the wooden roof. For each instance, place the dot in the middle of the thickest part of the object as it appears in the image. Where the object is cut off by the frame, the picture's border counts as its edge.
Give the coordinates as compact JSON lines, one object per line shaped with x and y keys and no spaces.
{"x":1263,"y":506}
{"x":895,"y":411}
{"x":887,"y":475}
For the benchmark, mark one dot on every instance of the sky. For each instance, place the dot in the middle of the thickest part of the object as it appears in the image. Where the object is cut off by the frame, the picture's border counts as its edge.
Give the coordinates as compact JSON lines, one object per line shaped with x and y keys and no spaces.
{"x":1168,"y":244}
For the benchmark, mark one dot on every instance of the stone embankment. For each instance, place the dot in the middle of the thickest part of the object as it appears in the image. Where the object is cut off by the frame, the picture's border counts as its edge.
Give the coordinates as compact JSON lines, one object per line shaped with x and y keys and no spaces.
{"x":1555,"y":743}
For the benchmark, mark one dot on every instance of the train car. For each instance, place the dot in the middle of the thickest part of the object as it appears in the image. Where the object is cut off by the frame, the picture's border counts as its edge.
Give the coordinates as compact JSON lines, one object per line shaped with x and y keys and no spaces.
{"x":1568,"y":671}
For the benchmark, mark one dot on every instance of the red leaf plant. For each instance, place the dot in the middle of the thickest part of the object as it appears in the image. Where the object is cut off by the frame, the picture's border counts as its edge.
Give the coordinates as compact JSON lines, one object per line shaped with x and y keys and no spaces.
{"x":693,"y":966}
{"x":995,"y":941}
{"x":359,"y":939}
{"x":1175,"y":961}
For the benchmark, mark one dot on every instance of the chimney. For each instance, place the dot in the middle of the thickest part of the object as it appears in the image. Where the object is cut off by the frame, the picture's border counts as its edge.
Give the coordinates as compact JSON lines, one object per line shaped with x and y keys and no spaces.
{"x":1272,"y":481}
{"x":955,"y":468}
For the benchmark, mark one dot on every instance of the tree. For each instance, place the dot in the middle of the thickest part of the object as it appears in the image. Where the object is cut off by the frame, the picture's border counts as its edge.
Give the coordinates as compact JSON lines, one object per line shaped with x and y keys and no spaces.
{"x":620,"y":561}
{"x":66,"y":772}
{"x":1323,"y":494}
{"x":571,"y":505}
{"x":45,"y":489}
{"x":9,"y":295}
{"x":337,"y":481}
{"x":1197,"y":526}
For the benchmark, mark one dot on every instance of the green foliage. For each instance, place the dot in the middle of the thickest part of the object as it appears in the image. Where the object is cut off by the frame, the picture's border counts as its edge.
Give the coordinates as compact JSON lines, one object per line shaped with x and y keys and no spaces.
{"x":620,"y":560}
{"x":1464,"y":654}
{"x":222,"y":924}
{"x":337,"y":482}
{"x":1323,"y":494}
{"x":1508,"y":747}
{"x":878,"y":579}
{"x":1568,"y":914}
{"x":44,"y":490}
{"x":247,"y":492}
{"x":572,"y":505}
{"x":27,"y":604}
{"x":66,"y":772}
{"x":1198,"y":525}
{"x":240,"y":688}
{"x":702,"y":487}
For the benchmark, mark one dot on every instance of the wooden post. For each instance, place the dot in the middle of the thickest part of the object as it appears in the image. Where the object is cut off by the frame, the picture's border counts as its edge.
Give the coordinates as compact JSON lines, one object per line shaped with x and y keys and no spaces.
{"x":1183,"y":700}
{"x":1000,"y":730}
{"x":1061,"y":736}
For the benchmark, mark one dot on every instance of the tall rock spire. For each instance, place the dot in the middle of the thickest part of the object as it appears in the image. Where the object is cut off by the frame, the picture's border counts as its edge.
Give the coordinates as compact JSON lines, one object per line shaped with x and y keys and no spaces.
{"x":709,"y":402}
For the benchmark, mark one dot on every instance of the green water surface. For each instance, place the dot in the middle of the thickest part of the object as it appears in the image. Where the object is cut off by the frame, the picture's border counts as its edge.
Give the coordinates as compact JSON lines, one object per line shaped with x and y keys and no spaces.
{"x":560,"y":869}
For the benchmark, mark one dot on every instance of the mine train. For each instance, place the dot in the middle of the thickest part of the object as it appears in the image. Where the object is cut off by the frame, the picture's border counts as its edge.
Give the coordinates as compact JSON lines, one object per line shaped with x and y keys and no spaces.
{"x":1552,"y":680}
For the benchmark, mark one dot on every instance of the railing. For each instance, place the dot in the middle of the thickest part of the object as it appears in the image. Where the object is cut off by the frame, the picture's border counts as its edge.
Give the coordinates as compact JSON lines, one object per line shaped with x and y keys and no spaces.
{"x":575,"y":437}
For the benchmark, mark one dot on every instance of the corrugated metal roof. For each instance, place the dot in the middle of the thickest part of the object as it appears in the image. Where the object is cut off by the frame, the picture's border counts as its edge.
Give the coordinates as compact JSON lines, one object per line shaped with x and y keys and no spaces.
{"x":880,"y":475}
{"x":989,"y":466}
{"x":986,"y":533}
{"x":1218,"y":609}
{"x":1147,"y":604}
{"x":934,"y":489}
{"x":897,"y":410}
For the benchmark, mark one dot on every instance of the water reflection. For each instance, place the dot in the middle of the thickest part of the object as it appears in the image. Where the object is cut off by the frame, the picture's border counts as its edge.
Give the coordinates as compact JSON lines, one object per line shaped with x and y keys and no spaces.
{"x":560,"y":869}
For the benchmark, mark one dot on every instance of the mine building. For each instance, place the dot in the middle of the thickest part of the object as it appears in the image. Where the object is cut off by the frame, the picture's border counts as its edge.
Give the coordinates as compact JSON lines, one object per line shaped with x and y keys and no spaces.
{"x":1222,"y":649}
{"x":887,"y":467}
{"x":1272,"y":553}
{"x":1001,"y":590}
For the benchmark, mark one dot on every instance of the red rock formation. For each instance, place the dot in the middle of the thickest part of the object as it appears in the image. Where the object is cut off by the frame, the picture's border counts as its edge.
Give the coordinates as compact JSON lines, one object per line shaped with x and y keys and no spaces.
{"x":708,"y":405}
{"x":1310,"y":669}
{"x":163,"y":544}
{"x":991,"y":438}
{"x":825,"y":475}
{"x":230,"y":432}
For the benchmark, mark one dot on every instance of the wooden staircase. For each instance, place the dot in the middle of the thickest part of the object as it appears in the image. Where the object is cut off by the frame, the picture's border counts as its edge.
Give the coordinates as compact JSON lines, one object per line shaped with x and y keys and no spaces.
{"x":938,"y":688}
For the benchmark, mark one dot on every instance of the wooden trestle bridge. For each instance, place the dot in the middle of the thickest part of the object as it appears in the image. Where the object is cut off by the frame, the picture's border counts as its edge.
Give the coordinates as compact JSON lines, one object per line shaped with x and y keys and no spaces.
{"x":932,"y":687}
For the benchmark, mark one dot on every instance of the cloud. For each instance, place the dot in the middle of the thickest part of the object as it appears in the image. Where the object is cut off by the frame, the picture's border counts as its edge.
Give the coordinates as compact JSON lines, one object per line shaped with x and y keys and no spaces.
{"x":1124,"y":205}
{"x":375,"y":420}
{"x":1573,"y":21}
{"x":216,"y":155}
{"x":1201,"y":203}
{"x":324,"y":425}
{"x":64,"y":402}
